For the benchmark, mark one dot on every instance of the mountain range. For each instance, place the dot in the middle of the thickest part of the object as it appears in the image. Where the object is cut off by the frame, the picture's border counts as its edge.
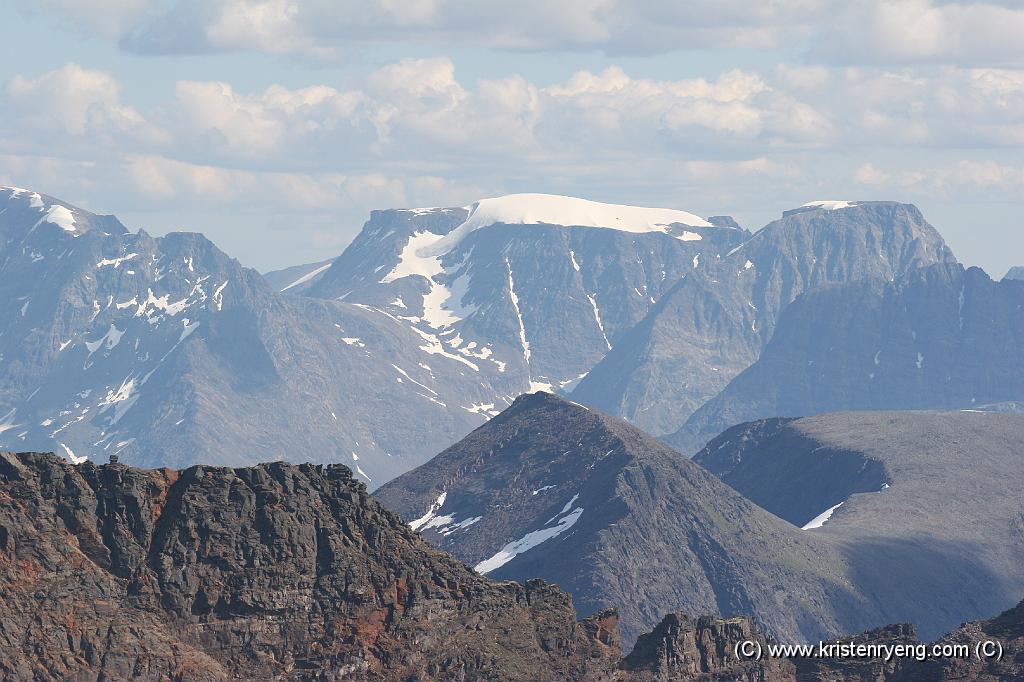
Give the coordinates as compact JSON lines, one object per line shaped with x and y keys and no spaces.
{"x":166,"y":351}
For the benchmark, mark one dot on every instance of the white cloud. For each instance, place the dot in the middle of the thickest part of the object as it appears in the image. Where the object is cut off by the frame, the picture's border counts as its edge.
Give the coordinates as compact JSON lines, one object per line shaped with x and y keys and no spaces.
{"x":70,"y":100}
{"x":923,"y":31}
{"x":413,"y":133}
{"x":326,"y":27}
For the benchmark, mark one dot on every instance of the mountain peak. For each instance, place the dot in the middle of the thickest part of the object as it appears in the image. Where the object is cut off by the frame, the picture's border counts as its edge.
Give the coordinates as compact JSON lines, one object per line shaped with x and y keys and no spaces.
{"x":552,"y":209}
{"x":69,"y":218}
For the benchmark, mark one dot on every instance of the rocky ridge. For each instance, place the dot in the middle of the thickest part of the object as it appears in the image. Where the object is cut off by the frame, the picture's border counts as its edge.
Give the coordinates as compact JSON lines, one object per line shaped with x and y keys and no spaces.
{"x":717,"y":320}
{"x":270,"y":572}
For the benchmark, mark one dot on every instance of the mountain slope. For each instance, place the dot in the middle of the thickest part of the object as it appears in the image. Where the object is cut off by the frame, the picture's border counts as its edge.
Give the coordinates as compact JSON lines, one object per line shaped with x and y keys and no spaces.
{"x":169,"y":352}
{"x":533,"y":288}
{"x":940,"y":337}
{"x":715,"y":323}
{"x":552,"y":489}
{"x":892,"y":487}
{"x":297,"y":278}
{"x":278,"y":571}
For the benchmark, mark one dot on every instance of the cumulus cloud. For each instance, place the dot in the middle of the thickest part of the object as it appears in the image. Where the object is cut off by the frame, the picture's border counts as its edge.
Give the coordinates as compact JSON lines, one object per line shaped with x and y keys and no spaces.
{"x":413,"y":133}
{"x":416,"y":117}
{"x":69,"y":100}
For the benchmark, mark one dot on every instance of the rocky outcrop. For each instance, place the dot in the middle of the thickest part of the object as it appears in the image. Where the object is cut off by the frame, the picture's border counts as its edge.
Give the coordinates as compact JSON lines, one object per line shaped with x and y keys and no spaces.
{"x":285,"y":572}
{"x":861,"y":669}
{"x":270,"y":572}
{"x":683,"y":648}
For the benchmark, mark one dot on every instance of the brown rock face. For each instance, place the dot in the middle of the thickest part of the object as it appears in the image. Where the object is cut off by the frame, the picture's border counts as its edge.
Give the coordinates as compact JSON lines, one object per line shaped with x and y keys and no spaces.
{"x":681,"y":648}
{"x":270,"y":572}
{"x":862,"y":669}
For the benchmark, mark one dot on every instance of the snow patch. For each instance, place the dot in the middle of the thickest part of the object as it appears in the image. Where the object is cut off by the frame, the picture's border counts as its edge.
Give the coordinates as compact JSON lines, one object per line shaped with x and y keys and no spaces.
{"x":110,"y":339}
{"x":549,"y":209}
{"x":519,"y":315}
{"x":597,"y":318}
{"x":482,"y":408}
{"x":218,"y":296}
{"x":531,"y":539}
{"x":116,"y":262}
{"x":431,"y":513}
{"x":441,"y":307}
{"x":829,"y":204}
{"x":819,"y":520}
{"x":61,"y":217}
{"x":75,"y":459}
{"x":7,"y":421}
{"x":308,"y":276}
{"x":188,"y":328}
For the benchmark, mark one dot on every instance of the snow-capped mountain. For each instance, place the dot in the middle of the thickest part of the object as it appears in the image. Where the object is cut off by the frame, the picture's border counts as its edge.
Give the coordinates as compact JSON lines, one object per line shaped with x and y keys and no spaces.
{"x":168,"y":352}
{"x":529,"y":290}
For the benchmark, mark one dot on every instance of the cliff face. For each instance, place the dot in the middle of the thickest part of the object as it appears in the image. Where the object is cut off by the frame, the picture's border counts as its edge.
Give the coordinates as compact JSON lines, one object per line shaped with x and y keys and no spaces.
{"x":270,"y":572}
{"x":684,"y":648}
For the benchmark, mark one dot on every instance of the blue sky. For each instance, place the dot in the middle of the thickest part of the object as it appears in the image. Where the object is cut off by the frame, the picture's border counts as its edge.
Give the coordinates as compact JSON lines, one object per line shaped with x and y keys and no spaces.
{"x":275,"y":126}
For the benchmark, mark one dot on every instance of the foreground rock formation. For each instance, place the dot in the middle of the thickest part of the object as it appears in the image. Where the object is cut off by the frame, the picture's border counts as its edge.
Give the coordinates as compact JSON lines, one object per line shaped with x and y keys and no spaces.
{"x":293,"y":572}
{"x":270,"y":572}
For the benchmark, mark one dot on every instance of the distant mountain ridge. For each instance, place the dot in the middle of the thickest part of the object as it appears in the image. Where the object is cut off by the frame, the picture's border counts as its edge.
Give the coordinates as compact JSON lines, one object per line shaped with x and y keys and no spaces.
{"x":167,"y":351}
{"x":715,"y":322}
{"x":532,"y":289}
{"x":941,"y":337}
